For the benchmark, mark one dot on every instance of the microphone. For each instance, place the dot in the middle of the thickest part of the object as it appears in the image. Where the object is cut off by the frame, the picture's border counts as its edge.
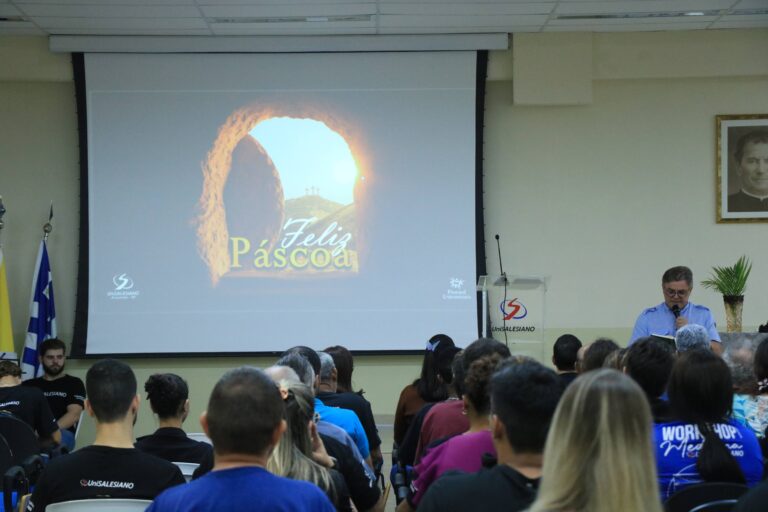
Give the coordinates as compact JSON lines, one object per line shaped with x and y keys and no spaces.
{"x":498,"y":247}
{"x":676,"y":310}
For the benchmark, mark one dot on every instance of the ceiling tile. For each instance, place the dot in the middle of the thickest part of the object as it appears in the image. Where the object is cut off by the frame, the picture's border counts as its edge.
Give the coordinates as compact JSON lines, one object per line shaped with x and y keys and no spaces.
{"x":298,"y":10}
{"x":465,"y":9}
{"x":120,"y":23}
{"x":467,"y":23}
{"x":641,"y":6}
{"x":629,"y":27}
{"x":9,"y":10}
{"x":113,"y":11}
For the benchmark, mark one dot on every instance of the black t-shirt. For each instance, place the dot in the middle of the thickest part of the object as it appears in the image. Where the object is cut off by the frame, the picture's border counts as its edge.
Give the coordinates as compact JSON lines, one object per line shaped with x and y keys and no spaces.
{"x":362,"y":489}
{"x":60,"y":393}
{"x":754,"y":500}
{"x":103,"y":472}
{"x":173,"y":445}
{"x":499,"y":488}
{"x":29,"y":405}
{"x":361,"y":407}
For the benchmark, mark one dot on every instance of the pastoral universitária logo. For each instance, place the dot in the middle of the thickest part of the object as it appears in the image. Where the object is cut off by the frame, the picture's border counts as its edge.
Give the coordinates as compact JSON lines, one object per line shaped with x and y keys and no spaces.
{"x":123,"y":288}
{"x":456,"y":290}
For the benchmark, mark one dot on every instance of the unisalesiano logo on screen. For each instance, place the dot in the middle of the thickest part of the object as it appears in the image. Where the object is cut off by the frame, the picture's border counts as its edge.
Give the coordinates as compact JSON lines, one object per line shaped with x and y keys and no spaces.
{"x":124,"y":288}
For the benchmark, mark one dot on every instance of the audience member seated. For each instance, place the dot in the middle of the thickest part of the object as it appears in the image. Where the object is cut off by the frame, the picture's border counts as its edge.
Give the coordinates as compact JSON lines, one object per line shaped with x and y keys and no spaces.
{"x":328,"y":394}
{"x":343,"y":418}
{"x":345,"y":365}
{"x":111,"y":467}
{"x":27,"y":404}
{"x":300,"y":454}
{"x":362,"y":486}
{"x":245,"y":422}
{"x":65,"y":394}
{"x":564,"y":356}
{"x":750,"y":404}
{"x":524,"y":396}
{"x":426,"y":389}
{"x":596,"y":353}
{"x":443,"y":419}
{"x":446,"y":419}
{"x":616,"y":359}
{"x":168,"y":396}
{"x":463,"y":452}
{"x":692,"y":337}
{"x":598,"y":455}
{"x":754,"y":500}
{"x":703,"y":444}
{"x":649,"y":362}
{"x":301,"y":367}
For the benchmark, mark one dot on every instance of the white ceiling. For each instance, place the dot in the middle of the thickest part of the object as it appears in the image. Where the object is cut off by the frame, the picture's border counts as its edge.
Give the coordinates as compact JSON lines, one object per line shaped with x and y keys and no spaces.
{"x":337,"y":17}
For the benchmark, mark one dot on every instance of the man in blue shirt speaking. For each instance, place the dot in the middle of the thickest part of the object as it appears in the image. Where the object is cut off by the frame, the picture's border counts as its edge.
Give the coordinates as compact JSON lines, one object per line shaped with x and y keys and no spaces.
{"x":666,"y":318}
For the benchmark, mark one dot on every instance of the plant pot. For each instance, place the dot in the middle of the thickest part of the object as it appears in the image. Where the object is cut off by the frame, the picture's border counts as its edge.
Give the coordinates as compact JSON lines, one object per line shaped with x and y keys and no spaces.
{"x":733,"y":308}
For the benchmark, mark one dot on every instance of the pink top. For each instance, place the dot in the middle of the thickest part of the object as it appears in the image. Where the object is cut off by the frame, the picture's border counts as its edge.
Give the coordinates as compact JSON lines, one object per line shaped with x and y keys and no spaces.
{"x":464,"y":453}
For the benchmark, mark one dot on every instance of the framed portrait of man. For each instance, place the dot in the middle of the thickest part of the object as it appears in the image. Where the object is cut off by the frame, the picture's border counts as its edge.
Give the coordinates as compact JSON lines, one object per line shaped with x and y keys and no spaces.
{"x":742,"y":168}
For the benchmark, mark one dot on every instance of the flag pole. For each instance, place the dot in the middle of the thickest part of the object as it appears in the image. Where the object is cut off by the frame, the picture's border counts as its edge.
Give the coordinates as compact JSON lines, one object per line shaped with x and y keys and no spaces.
{"x":48,"y":227}
{"x":2,"y":223}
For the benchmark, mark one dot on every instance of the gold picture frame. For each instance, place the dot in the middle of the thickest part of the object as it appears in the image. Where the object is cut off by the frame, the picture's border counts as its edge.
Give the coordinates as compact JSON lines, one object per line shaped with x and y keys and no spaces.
{"x":742,"y":185}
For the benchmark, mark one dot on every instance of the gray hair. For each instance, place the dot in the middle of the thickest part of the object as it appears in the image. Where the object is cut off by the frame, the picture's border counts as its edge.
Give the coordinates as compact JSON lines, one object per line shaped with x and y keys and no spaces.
{"x":279,"y":373}
{"x":691,"y":337}
{"x":739,"y":356}
{"x":301,"y":366}
{"x":327,"y":365}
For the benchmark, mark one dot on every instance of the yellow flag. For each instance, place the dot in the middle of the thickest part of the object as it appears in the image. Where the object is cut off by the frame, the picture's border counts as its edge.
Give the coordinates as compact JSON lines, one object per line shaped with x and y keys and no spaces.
{"x":6,"y":332}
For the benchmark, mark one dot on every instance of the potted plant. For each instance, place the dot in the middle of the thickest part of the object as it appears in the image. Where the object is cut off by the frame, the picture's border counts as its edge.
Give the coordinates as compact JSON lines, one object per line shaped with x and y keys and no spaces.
{"x":731,"y":282}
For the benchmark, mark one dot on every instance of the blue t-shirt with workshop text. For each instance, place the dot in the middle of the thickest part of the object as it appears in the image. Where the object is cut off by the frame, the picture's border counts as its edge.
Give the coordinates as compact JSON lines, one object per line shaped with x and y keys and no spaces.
{"x":678,"y":444}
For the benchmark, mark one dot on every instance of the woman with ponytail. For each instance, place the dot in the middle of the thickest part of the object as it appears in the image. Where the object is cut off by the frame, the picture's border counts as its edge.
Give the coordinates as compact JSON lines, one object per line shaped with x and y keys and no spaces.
{"x":168,"y":396}
{"x":704,"y":444}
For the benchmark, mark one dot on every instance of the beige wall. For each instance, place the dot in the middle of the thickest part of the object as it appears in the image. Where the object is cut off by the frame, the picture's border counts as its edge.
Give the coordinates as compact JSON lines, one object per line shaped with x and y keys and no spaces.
{"x":602,"y":197}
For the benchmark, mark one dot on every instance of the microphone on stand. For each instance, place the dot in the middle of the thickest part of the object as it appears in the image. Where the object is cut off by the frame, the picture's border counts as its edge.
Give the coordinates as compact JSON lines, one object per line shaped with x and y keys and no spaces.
{"x":504,"y":279}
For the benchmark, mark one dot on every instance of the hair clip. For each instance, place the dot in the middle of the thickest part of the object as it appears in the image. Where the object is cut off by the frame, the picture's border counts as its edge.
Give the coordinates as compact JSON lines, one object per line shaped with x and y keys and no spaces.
{"x":432,"y":346}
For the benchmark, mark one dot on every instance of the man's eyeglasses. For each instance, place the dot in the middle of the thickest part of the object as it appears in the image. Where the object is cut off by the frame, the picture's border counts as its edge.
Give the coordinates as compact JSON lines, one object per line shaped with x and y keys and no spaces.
{"x":676,"y":293}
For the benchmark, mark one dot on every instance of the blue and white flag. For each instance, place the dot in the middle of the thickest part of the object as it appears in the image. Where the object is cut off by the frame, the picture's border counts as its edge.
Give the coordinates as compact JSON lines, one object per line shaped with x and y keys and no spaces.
{"x":42,"y":315}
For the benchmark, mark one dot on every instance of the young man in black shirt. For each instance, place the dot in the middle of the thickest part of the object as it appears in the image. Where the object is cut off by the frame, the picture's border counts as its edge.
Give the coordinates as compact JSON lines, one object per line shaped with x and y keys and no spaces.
{"x":524,"y":396}
{"x":27,"y":404}
{"x":111,"y":467}
{"x":65,"y":393}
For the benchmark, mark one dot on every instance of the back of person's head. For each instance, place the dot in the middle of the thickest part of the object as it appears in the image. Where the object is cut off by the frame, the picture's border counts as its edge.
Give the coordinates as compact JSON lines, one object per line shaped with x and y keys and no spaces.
{"x":308,"y":353}
{"x":459,"y":375}
{"x":739,"y":355}
{"x":649,"y":363}
{"x":594,"y":356}
{"x":598,"y":455}
{"x":345,"y":365}
{"x":484,"y":347}
{"x":243,"y":413}
{"x":701,"y":392}
{"x":615,"y":359}
{"x":292,"y":455}
{"x":692,"y":337}
{"x":429,"y":385}
{"x":524,"y":395}
{"x":477,"y":384}
{"x":299,"y":364}
{"x":9,"y":369}
{"x":280,"y":373}
{"x":444,"y":363}
{"x":327,"y":366}
{"x":761,"y":365}
{"x":111,"y":387}
{"x":167,"y":393}
{"x":51,"y":344}
{"x":564,"y":352}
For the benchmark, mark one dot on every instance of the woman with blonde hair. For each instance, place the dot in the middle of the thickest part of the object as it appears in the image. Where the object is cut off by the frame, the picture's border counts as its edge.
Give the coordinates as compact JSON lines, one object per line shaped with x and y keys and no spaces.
{"x":598,"y":456}
{"x":300,"y":454}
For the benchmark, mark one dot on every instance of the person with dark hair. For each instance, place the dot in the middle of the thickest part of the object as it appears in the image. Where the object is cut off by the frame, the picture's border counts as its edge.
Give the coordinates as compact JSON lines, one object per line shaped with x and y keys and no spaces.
{"x":427,"y":388}
{"x":65,"y":393}
{"x":449,"y":418}
{"x":669,"y":316}
{"x":615,"y":360}
{"x":168,"y":396}
{"x":327,"y":393}
{"x":344,"y":418}
{"x":597,"y":352}
{"x":463,"y":452}
{"x":751,"y":408}
{"x":111,"y":467}
{"x":245,"y":421}
{"x":649,"y":362}
{"x":564,"y":356}
{"x":27,"y":404}
{"x":524,"y":395}
{"x":751,"y":157}
{"x":345,"y":365}
{"x":703,"y":443}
